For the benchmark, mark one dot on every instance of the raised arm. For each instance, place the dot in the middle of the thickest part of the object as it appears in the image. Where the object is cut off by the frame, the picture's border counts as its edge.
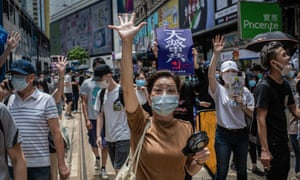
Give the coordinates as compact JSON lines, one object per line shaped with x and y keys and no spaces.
{"x":12,"y":42}
{"x":218,"y":43}
{"x":61,"y":67}
{"x":127,"y":31}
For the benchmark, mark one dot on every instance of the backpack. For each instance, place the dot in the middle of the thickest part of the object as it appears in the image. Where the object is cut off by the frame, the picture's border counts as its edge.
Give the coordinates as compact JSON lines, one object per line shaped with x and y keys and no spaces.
{"x":120,"y":97}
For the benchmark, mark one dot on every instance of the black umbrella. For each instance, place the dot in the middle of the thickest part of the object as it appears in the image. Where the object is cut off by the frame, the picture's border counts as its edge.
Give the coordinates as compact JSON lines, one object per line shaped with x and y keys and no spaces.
{"x":257,"y":43}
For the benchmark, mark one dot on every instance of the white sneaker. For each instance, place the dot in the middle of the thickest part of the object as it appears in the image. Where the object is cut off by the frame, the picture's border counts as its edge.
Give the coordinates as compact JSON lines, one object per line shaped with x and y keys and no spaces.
{"x":103,"y":174}
{"x":97,"y":164}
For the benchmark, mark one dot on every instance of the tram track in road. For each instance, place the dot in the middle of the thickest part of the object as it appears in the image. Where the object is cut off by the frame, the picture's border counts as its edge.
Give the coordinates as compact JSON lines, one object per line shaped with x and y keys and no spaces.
{"x":83,"y":169}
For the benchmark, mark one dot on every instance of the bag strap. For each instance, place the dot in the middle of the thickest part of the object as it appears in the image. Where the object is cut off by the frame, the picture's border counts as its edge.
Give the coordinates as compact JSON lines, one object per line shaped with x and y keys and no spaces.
{"x":101,"y":96}
{"x":136,"y":155}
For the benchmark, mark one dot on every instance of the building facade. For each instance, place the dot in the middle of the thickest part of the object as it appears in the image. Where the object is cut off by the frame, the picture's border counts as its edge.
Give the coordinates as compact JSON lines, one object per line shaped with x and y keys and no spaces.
{"x":34,"y":44}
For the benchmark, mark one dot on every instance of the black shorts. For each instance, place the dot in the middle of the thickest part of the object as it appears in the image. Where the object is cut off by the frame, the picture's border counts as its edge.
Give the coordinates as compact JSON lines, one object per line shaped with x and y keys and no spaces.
{"x":69,"y":97}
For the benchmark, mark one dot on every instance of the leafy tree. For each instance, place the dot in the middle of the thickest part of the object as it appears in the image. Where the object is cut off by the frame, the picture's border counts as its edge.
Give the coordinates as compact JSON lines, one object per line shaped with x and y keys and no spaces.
{"x":78,"y":53}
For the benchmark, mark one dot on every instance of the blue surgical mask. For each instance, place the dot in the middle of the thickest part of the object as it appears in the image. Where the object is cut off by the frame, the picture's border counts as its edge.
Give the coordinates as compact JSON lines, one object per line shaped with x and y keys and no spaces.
{"x":19,"y":82}
{"x":259,"y":75}
{"x":140,"y":82}
{"x":164,"y":104}
{"x":291,"y":74}
{"x":251,"y":83}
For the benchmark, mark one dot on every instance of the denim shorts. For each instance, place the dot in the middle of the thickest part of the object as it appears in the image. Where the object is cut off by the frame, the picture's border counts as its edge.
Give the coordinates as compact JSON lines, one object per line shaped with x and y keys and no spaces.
{"x":59,"y":108}
{"x":118,"y":152}
{"x":92,"y":134}
{"x":34,"y":173}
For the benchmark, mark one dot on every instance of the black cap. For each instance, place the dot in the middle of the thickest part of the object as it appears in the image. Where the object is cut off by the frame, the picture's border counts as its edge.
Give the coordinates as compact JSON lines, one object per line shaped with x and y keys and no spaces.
{"x":101,"y":70}
{"x":98,"y":60}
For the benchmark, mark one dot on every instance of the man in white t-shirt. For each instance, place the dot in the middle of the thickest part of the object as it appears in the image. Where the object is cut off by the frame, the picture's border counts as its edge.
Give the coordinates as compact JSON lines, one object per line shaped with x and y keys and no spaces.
{"x":117,"y":133}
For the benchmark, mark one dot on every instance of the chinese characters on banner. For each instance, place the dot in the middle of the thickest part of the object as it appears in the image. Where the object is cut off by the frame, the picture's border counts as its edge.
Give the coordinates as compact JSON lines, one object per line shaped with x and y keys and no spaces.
{"x":175,"y":50}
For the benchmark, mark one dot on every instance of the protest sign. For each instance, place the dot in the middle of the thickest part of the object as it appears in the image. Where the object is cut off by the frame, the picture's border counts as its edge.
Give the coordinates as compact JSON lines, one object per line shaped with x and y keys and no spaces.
{"x":175,"y":50}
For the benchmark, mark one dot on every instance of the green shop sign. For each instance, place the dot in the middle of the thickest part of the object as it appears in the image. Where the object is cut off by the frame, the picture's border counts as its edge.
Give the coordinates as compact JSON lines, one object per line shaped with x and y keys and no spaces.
{"x":258,"y":17}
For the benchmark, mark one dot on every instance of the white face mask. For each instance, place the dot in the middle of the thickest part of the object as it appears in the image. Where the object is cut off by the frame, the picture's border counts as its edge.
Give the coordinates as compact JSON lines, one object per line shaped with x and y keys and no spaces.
{"x":283,"y":69}
{"x":227,"y":77}
{"x":286,"y":69}
{"x":103,"y":84}
{"x":19,"y":82}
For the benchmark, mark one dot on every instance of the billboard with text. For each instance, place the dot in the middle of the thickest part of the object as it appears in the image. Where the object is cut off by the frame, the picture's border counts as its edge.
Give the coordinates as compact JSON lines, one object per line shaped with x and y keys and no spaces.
{"x":86,"y":28}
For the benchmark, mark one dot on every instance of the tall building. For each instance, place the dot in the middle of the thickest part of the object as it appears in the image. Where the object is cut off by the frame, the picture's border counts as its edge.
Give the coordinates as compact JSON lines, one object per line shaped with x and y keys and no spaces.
{"x":58,"y":5}
{"x":39,"y":10}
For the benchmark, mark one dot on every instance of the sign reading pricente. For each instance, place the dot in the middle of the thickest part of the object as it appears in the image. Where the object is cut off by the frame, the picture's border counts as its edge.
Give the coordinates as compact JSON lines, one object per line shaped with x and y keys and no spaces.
{"x":258,"y":17}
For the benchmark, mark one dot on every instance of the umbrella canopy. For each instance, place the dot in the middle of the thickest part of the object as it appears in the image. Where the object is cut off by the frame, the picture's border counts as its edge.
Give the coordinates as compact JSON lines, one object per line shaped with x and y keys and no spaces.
{"x":257,"y":43}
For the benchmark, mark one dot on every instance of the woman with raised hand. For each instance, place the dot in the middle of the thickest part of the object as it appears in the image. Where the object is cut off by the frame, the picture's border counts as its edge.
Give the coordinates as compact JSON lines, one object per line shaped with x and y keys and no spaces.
{"x":161,"y":155}
{"x":231,"y":108}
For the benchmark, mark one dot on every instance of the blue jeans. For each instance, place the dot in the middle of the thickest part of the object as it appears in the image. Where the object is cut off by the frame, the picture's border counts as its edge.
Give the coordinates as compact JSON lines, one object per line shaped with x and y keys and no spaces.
{"x":228,"y":141}
{"x":34,"y":173}
{"x":296,"y":147}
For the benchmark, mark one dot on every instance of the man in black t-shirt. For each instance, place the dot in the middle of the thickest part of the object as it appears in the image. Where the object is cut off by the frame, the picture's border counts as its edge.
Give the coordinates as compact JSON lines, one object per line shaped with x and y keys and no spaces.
{"x":272,"y":95}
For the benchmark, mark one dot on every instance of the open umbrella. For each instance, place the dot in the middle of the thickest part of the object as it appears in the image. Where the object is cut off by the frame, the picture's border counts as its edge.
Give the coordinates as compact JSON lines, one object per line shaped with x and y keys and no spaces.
{"x":257,"y":43}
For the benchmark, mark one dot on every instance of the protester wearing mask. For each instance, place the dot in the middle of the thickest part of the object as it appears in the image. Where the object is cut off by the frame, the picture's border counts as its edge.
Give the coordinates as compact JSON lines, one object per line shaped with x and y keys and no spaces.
{"x":231,"y":131}
{"x":109,"y":105}
{"x":88,"y":92}
{"x":141,"y":91}
{"x":259,"y":72}
{"x":272,"y":96}
{"x":161,"y":155}
{"x":37,"y":110}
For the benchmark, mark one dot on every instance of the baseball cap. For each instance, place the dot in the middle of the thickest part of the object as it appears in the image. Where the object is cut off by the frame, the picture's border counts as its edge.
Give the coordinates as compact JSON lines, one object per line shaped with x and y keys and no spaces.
{"x":227,"y":65}
{"x":101,"y":70}
{"x":21,"y":66}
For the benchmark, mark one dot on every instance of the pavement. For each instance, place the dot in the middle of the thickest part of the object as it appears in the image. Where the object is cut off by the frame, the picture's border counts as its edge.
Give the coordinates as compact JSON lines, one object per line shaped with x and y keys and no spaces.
{"x":80,"y":158}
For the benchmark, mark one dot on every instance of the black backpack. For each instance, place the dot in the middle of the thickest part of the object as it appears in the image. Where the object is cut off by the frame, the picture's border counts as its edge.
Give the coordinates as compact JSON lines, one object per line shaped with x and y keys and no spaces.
{"x":120,"y":97}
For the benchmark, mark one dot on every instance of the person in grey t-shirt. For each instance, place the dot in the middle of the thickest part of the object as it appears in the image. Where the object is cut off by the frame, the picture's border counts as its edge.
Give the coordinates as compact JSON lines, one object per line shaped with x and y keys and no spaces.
{"x":10,"y":140}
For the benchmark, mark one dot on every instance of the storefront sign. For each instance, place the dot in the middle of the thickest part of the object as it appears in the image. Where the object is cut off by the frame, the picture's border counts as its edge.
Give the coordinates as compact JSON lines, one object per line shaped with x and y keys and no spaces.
{"x":197,"y":15}
{"x":225,"y":11}
{"x":257,"y":17}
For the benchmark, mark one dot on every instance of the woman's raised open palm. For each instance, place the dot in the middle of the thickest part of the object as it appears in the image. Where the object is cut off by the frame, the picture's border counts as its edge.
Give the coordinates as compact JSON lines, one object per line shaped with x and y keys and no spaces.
{"x":126,"y":29}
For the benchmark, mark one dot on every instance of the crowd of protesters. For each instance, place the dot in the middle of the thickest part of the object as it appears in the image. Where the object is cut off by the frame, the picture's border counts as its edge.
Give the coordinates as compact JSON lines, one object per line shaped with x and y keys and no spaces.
{"x":263,"y":119}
